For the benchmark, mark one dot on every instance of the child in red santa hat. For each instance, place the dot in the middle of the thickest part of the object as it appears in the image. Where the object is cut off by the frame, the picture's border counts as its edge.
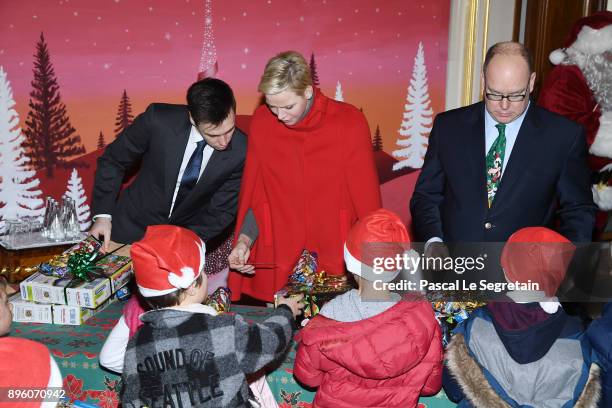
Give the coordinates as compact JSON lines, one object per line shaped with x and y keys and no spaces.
{"x":24,"y":364}
{"x":361,"y":352}
{"x":524,"y":351}
{"x":186,"y":354}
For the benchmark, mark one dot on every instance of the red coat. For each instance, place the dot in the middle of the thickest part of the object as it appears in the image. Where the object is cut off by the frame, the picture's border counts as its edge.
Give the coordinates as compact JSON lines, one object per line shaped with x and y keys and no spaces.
{"x":388,"y":360}
{"x":307,"y":185}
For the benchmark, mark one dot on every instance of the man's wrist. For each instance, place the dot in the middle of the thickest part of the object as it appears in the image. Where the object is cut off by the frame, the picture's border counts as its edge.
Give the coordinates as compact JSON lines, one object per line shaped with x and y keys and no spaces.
{"x":106,"y":216}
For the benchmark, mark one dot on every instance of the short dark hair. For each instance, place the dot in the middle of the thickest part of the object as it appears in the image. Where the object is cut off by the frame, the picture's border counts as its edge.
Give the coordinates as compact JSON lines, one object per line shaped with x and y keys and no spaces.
{"x":210,"y":100}
{"x":169,"y":300}
{"x":507,"y":48}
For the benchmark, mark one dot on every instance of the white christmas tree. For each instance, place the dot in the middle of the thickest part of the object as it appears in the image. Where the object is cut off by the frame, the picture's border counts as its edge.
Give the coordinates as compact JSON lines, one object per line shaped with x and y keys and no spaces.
{"x":339,"y":96}
{"x":19,"y":192}
{"x":415,"y":128}
{"x":76,"y":192}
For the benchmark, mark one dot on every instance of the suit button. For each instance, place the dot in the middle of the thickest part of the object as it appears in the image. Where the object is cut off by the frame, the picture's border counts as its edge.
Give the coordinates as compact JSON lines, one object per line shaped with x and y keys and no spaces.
{"x":488,"y":225}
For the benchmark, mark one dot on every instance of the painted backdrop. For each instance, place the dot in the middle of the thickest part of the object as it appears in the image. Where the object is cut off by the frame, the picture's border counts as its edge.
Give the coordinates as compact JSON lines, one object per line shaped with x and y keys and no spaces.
{"x":100,"y":63}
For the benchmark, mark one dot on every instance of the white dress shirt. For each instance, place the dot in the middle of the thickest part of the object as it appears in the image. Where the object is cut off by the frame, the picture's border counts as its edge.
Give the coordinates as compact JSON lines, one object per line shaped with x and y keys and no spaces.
{"x":194,"y":138}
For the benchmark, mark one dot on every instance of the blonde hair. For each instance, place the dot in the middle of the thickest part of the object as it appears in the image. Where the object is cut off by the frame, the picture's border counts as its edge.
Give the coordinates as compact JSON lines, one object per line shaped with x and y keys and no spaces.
{"x":287,"y":70}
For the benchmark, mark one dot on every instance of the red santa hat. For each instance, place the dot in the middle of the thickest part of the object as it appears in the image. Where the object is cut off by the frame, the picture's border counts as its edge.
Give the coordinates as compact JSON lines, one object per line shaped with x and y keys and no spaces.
{"x":378,"y":236}
{"x":589,"y":35}
{"x":537,"y":254}
{"x":26,"y":364}
{"x":167,"y":259}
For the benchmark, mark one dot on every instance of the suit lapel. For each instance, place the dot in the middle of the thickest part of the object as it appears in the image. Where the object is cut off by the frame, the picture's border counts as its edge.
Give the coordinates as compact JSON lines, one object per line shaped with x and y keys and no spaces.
{"x":175,"y":150}
{"x":476,"y":153}
{"x":211,"y":172}
{"x":523,"y":153}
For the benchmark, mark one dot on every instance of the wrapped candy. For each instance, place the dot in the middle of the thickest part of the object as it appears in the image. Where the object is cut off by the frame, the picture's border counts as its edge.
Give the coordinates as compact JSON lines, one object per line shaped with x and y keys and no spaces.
{"x":450,"y":313}
{"x":317,"y":286}
{"x":220,"y":300}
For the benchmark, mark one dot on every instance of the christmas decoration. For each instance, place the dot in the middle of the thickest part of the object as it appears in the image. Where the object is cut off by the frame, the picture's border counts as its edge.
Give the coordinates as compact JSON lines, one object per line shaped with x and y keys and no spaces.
{"x":76,"y":192}
{"x":208,"y":60}
{"x":19,"y":192}
{"x":339,"y":96}
{"x":377,"y":143}
{"x":416,"y":125}
{"x":101,"y":142}
{"x":50,"y":138}
{"x":313,"y":71}
{"x":124,"y":115}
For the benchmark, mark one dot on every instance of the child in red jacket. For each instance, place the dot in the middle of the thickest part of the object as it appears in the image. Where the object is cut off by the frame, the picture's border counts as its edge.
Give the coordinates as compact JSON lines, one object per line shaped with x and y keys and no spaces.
{"x":364,"y":353}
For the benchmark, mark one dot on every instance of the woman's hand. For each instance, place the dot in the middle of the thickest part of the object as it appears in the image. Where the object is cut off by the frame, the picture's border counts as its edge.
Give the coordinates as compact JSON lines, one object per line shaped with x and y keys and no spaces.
{"x":240,"y":255}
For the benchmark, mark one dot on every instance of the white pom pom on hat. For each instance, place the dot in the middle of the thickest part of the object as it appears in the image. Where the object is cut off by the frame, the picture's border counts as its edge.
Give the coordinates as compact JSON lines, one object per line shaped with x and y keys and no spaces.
{"x":167,"y":259}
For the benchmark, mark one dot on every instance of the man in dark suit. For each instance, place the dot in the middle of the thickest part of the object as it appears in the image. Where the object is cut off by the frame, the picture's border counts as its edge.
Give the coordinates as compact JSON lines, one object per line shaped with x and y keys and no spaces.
{"x":191,"y":159}
{"x":496,"y":166}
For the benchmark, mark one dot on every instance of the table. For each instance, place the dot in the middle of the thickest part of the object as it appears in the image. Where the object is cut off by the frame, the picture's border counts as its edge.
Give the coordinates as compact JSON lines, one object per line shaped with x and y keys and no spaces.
{"x":76,"y":350}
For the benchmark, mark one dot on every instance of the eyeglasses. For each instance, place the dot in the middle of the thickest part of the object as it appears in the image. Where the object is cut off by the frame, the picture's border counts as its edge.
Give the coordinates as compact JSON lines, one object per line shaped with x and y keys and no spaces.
{"x":511,"y":98}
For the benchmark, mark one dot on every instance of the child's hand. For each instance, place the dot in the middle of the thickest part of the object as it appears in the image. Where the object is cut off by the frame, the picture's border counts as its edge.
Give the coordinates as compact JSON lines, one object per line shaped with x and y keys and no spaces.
{"x":295,"y":303}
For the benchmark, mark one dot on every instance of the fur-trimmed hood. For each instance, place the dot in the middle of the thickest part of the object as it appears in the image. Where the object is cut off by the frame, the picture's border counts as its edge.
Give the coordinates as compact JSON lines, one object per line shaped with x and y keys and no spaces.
{"x":478,"y":390}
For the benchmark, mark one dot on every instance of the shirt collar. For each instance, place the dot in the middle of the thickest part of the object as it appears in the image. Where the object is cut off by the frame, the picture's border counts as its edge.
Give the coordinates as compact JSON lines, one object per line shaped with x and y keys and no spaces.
{"x":516,"y":123}
{"x":195,"y":136}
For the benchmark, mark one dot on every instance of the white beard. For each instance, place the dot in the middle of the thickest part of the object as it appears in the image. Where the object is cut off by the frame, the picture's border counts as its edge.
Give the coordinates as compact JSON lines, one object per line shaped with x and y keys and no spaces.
{"x":597,"y":70}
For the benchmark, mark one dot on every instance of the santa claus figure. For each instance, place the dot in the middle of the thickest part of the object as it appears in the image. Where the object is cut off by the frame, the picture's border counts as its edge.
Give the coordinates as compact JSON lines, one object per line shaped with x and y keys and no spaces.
{"x":580,"y":88}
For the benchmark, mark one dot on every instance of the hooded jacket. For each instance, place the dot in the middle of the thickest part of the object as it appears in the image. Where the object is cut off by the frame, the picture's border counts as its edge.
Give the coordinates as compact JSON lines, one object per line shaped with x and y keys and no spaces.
{"x":600,"y":336}
{"x":516,"y":355}
{"x":387,"y":360}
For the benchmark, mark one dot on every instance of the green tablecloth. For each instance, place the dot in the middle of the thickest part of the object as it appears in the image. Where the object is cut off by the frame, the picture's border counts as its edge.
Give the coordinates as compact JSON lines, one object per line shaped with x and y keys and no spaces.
{"x":76,"y":350}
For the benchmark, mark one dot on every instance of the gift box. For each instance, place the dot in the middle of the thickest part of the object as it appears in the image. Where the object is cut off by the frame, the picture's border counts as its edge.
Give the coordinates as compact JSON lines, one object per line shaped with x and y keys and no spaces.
{"x":30,"y":312}
{"x":116,"y":271}
{"x":77,"y":315}
{"x":317,"y":287}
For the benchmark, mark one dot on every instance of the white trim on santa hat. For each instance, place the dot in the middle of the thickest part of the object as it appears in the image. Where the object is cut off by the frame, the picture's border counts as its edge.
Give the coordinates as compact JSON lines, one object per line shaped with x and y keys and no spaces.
{"x":549,"y":304}
{"x":55,"y":381}
{"x":589,"y":41}
{"x":355,"y":266}
{"x":182,"y":281}
{"x":592,"y":42}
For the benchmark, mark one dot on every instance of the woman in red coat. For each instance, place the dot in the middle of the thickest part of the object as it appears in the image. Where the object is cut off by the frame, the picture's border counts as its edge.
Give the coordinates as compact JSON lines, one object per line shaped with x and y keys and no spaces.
{"x":309,"y":176}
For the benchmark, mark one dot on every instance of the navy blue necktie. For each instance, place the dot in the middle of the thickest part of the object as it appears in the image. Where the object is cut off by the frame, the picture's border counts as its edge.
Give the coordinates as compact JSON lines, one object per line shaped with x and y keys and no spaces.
{"x":191,"y":174}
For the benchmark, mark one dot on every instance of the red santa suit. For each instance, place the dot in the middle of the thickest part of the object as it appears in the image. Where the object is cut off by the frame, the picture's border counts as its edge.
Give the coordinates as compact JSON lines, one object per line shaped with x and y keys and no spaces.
{"x":306,"y":184}
{"x":580,"y":88}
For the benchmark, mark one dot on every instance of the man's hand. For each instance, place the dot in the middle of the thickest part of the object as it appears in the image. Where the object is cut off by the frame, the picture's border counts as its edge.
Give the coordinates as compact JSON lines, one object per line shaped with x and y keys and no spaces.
{"x":240,"y":255}
{"x":101,"y":229}
{"x":437,"y":250}
{"x":295,"y":303}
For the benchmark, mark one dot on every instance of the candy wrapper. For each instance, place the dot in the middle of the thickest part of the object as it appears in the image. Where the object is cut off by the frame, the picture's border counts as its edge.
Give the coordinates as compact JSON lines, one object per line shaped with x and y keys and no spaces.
{"x":220,"y":300}
{"x":317,"y":286}
{"x":450,"y":313}
{"x":78,"y":262}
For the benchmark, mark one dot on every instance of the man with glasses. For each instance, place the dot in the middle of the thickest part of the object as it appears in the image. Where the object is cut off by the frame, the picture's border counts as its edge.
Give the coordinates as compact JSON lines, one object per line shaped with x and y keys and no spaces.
{"x":499,"y":165}
{"x":189,"y":159}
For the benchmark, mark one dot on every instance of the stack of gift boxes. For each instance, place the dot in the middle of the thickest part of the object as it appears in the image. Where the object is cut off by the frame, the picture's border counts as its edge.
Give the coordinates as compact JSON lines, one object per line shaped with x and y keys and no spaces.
{"x":54,"y":294}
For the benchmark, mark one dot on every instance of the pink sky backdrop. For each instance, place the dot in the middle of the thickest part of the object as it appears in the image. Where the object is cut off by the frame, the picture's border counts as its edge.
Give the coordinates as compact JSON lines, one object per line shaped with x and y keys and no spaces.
{"x":152,"y":49}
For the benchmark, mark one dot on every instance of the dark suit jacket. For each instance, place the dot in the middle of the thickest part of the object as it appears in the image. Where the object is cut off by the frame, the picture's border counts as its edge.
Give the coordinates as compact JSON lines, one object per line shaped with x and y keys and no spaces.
{"x":546,"y":175}
{"x":156,"y":141}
